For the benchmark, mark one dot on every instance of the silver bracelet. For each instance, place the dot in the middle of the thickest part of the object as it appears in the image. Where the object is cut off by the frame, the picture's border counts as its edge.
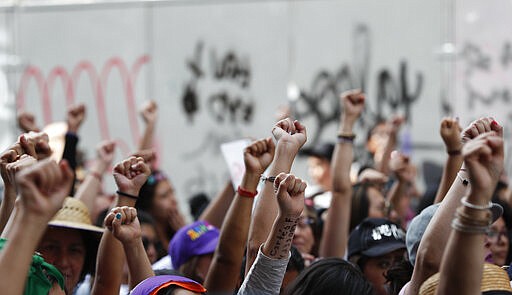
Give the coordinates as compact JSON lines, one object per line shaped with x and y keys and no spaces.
{"x":465,"y":203}
{"x":469,"y":229}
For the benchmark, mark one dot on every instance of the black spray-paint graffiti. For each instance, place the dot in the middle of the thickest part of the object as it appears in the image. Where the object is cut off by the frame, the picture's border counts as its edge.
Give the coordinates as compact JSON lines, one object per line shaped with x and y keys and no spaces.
{"x":321,"y":100}
{"x":478,"y":63}
{"x":476,"y":60}
{"x":230,"y":103}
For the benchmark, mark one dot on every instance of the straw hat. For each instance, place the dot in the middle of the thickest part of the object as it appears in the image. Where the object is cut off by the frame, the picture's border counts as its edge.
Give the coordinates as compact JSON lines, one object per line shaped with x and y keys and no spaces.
{"x":74,"y":214}
{"x":494,"y":278}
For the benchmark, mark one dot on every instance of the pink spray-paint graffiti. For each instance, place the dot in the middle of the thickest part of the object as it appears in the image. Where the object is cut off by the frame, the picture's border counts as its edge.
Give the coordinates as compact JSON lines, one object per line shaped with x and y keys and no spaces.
{"x":98,"y":81}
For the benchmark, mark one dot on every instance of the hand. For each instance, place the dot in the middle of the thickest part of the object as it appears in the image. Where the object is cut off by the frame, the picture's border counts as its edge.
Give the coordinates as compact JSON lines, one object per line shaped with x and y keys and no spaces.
{"x":148,"y":155}
{"x":370,"y":175}
{"x":8,"y":156}
{"x":149,"y":112}
{"x":394,"y":124}
{"x":450,"y":133}
{"x":483,"y":157}
{"x":290,"y":194}
{"x":353,"y":105}
{"x":259,"y":155}
{"x":290,"y":133}
{"x":124,"y":224}
{"x":481,"y":126}
{"x":43,"y":188}
{"x":131,"y":174}
{"x":76,"y":115}
{"x":27,"y":122}
{"x":15,"y":167}
{"x":399,"y":164}
{"x":105,"y":152}
{"x":36,"y":144}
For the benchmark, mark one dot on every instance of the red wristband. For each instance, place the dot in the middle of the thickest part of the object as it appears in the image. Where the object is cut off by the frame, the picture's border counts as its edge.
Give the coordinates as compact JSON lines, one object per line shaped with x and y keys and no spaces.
{"x":245,"y":193}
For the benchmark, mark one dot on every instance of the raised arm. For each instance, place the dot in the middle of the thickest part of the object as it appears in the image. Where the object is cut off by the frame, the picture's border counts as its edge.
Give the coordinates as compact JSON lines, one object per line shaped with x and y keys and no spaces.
{"x":27,"y":122}
{"x":215,"y":212}
{"x":43,"y":188}
{"x":462,"y":264}
{"x":227,"y":259}
{"x":336,"y":227}
{"x":125,"y":226}
{"x":267,"y":272}
{"x":129,"y":176}
{"x":404,"y":171}
{"x":91,"y":186}
{"x":23,"y":153}
{"x":290,"y":136}
{"x":450,"y":132}
{"x":383,"y":157}
{"x":433,"y":242}
{"x":149,"y":114}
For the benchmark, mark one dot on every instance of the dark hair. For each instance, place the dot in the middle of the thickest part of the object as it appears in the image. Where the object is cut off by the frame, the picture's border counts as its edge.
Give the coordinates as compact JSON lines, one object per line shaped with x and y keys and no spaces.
{"x":360,"y":204}
{"x":197,"y":204}
{"x":296,"y":261}
{"x":91,"y":245}
{"x":147,"y":192}
{"x":316,"y":227}
{"x":330,"y":276}
{"x":145,"y":218}
{"x":398,"y":275}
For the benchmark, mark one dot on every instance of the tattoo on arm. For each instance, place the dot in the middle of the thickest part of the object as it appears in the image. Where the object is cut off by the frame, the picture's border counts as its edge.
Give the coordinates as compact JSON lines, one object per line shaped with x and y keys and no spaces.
{"x":284,"y":238}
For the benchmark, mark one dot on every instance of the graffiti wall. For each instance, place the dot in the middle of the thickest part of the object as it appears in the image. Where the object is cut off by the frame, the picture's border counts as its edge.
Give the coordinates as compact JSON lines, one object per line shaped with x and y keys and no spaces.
{"x":219,"y":70}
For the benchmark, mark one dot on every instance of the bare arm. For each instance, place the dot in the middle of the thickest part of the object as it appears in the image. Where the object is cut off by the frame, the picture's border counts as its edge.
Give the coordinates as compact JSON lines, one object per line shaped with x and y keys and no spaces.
{"x":215,"y":212}
{"x":393,"y":126}
{"x":227,"y":259}
{"x":290,"y":136}
{"x":450,"y":132}
{"x":129,"y":175}
{"x":336,"y":228}
{"x":150,"y":114}
{"x":91,"y":186}
{"x":484,"y":160}
{"x":433,"y":243}
{"x":125,"y":226}
{"x":43,"y":188}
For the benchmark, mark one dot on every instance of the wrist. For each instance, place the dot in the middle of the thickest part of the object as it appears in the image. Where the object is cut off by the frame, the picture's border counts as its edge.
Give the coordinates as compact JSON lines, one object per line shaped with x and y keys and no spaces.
{"x":347,"y":126}
{"x":250,"y":181}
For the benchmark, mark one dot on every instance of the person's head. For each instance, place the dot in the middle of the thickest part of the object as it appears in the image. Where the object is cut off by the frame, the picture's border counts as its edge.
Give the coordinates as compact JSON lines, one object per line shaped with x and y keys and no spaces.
{"x":377,"y":136}
{"x":157,"y":197}
{"x":367,"y":201}
{"x":376,"y":245}
{"x":307,"y":232}
{"x":330,"y":276}
{"x":497,"y":242}
{"x":70,"y":243}
{"x":148,"y":235}
{"x":192,"y":247}
{"x":197,"y":204}
{"x":319,"y":164}
{"x":494,"y":281}
{"x":168,"y":285}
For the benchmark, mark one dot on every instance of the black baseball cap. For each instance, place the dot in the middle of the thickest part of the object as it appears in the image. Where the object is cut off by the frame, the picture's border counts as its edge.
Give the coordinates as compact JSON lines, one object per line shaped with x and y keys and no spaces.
{"x":322,"y":150}
{"x":375,"y":237}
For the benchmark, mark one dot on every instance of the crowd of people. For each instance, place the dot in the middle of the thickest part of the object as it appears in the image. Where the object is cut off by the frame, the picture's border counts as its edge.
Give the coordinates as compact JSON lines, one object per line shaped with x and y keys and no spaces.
{"x":62,"y":232}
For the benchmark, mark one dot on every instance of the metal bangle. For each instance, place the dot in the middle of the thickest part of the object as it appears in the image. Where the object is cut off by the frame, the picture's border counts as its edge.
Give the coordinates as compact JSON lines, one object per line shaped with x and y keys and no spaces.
{"x":465,"y":203}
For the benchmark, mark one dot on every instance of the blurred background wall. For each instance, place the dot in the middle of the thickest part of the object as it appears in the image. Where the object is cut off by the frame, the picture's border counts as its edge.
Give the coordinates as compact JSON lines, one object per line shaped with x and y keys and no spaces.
{"x":219,"y":71}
